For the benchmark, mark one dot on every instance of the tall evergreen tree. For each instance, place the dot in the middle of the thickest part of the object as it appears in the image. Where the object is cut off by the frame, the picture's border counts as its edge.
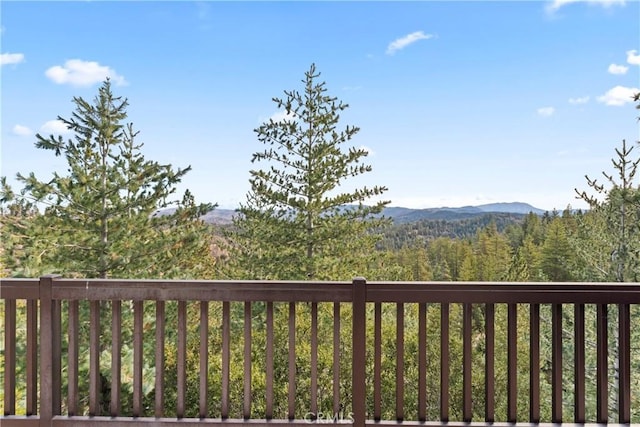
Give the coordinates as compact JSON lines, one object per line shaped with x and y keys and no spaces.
{"x":99,"y":218}
{"x":556,"y":256}
{"x":297,"y":221}
{"x":618,"y":206}
{"x":612,"y":227}
{"x":491,"y":256}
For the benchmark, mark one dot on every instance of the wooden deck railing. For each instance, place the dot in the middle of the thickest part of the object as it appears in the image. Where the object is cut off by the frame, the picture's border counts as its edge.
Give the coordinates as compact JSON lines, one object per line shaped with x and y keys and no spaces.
{"x":149,"y":352}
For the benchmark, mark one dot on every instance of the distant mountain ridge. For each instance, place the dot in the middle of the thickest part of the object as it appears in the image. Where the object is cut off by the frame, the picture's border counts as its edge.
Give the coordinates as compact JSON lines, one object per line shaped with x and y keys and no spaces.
{"x":406,"y":215}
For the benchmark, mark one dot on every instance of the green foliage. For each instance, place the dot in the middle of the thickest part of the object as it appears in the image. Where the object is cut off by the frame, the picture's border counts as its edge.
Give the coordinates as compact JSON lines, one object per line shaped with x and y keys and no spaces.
{"x":297,"y":222}
{"x":400,"y":235}
{"x":556,"y":254}
{"x":610,"y":233}
{"x":98,"y":218}
{"x":491,"y":257}
{"x":616,"y":230}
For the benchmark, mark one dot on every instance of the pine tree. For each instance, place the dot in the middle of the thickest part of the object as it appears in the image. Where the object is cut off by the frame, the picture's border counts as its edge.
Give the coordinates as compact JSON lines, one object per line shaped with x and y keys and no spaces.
{"x":99,"y":218}
{"x":492,"y":255}
{"x":297,"y":222}
{"x":610,"y":233}
{"x":618,"y":206}
{"x":556,"y":254}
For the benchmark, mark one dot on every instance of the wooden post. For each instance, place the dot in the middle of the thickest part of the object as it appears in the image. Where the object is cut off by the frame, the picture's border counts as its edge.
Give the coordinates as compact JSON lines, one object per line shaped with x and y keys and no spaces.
{"x":359,"y":351}
{"x":49,"y":352}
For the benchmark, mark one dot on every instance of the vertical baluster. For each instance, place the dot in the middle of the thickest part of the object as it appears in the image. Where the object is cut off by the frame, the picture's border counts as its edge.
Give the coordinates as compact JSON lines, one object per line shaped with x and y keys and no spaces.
{"x":73,"y":329}
{"x":56,"y":345}
{"x":534,"y":364}
{"x":466,"y":363}
{"x":422,"y":362}
{"x":182,"y":356}
{"x":159,"y":359}
{"x":269,"y":362}
{"x":116,"y":359}
{"x":399,"y":361}
{"x":377,"y":362}
{"x":579,"y":371}
{"x":10,"y":357}
{"x":138,"y":311}
{"x":602,"y":380}
{"x":246,"y":410}
{"x":94,"y":359}
{"x":556,"y":363}
{"x":204,"y":357}
{"x":444,"y":362}
{"x":314,"y":359}
{"x":624,"y":362}
{"x":226,"y":356}
{"x":489,"y":366}
{"x":336,"y":358}
{"x":56,"y":384}
{"x":292,"y":361}
{"x":32,"y":357}
{"x":512,"y":363}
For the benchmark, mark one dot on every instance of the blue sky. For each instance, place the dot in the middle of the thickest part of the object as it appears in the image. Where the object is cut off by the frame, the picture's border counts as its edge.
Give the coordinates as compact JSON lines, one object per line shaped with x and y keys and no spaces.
{"x":459,"y":103}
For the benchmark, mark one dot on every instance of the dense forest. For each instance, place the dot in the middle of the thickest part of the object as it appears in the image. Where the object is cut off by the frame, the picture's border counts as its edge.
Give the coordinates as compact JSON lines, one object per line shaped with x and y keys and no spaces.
{"x":98,"y":220}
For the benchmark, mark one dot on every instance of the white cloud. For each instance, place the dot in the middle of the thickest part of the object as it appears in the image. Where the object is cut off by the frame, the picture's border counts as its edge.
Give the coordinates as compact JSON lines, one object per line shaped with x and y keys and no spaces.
{"x":405,"y":41}
{"x":579,"y":100}
{"x":77,"y":72}
{"x":11,"y":58}
{"x":55,"y":127}
{"x":554,"y":5}
{"x":21,"y":130}
{"x":618,"y":96}
{"x":633,"y":58}
{"x":617,"y":69}
{"x":546,"y":111}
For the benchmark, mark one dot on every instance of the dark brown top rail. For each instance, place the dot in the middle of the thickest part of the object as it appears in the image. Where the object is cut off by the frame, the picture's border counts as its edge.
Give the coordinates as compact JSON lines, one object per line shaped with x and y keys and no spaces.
{"x":51,"y":299}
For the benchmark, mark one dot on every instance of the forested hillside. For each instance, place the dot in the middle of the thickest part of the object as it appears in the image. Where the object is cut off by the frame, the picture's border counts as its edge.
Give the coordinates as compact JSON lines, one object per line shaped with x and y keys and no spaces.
{"x":402,"y":234}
